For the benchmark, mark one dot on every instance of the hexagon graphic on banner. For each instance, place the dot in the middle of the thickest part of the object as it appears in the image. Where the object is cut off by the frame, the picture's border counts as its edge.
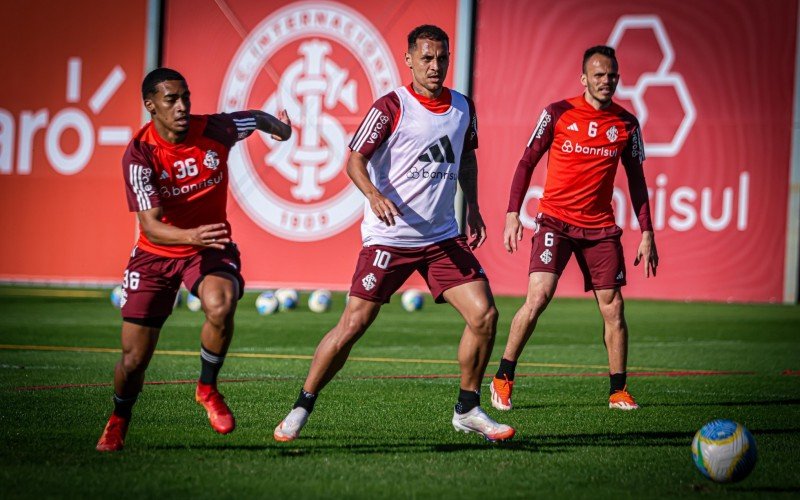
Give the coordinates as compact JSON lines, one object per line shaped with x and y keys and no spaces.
{"x":662,"y":77}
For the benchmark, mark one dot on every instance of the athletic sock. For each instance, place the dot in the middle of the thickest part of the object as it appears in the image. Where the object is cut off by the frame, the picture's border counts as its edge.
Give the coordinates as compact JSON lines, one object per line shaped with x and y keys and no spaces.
{"x":467,"y":400}
{"x":124,"y":406}
{"x":506,"y":369}
{"x":618,"y":381}
{"x":210,"y":364}
{"x":305,"y":400}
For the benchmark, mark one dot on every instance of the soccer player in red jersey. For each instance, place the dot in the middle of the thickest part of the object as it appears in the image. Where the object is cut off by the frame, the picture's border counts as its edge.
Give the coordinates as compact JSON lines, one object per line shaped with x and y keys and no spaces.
{"x":585,"y":137}
{"x":414,"y":144}
{"x":176,"y":178}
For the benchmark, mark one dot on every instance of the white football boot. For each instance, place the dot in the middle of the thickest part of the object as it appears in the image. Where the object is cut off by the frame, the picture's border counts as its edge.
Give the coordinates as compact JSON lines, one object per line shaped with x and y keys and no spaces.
{"x":476,"y":420}
{"x":289,"y":428}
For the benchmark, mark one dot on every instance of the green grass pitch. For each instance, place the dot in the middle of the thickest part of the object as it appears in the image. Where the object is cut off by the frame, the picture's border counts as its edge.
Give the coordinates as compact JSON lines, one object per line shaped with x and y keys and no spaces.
{"x":382,"y":428}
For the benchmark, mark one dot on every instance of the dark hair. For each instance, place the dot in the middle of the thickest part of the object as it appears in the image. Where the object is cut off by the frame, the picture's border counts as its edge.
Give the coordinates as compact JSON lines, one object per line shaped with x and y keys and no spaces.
{"x":604,"y":50}
{"x":427,"y":32}
{"x":157,"y":76}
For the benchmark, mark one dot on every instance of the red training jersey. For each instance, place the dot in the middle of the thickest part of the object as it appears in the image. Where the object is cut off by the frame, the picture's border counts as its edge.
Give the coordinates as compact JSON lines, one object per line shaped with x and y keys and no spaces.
{"x":584,"y":146}
{"x":188,"y":180}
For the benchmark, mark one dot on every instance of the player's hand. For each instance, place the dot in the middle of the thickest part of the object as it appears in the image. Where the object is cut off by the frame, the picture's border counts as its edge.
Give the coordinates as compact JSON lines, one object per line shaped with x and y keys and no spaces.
{"x":284,"y":117}
{"x":647,"y":253}
{"x":210,"y":236}
{"x":512,"y":232}
{"x":476,"y":229}
{"x":383,"y":208}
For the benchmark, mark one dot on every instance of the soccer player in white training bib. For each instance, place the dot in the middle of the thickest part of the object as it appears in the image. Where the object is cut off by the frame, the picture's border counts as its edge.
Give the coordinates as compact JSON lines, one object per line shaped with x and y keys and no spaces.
{"x":413,"y":146}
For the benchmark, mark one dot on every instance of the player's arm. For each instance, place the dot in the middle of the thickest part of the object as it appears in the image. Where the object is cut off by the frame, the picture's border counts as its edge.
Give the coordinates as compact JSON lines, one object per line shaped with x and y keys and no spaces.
{"x":375,"y":129}
{"x":383,"y":208}
{"x":208,"y":235}
{"x":468,"y":180}
{"x":538,"y":144}
{"x":647,"y":253}
{"x":280,"y":127}
{"x":633,"y":161}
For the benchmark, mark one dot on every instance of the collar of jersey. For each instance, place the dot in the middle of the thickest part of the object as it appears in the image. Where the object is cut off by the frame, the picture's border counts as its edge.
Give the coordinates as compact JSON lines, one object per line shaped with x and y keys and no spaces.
{"x":583,"y":104}
{"x":438,"y":105}
{"x":193,"y":128}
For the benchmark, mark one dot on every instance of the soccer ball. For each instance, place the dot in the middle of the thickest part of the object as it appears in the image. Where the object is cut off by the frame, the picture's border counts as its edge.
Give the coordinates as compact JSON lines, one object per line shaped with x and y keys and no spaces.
{"x":319,"y":301}
{"x":118,"y":297}
{"x":193,"y":302}
{"x":266,"y":303}
{"x":412,"y":300}
{"x":724,"y":451}
{"x":287,"y":298}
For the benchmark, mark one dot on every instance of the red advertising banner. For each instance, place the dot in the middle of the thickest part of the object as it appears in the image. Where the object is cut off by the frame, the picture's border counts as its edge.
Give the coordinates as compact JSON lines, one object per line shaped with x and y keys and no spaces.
{"x":69,"y":104}
{"x":295,"y":214}
{"x":715,"y":102}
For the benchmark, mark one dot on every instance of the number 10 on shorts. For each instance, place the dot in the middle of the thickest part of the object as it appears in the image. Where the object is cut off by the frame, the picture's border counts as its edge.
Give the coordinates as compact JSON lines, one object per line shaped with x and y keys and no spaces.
{"x":382,"y":258}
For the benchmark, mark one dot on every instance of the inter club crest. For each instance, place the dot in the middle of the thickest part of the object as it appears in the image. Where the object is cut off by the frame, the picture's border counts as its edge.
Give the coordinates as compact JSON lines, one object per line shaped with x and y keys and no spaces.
{"x":325,"y":64}
{"x":612,"y":133}
{"x":211,"y":159}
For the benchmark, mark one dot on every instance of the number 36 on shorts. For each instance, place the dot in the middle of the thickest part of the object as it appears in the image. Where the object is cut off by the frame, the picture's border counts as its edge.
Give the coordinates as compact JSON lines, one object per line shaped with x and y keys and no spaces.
{"x":130,"y":280}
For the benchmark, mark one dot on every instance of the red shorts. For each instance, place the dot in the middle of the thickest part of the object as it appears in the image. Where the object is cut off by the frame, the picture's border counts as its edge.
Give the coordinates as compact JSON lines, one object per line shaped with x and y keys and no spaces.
{"x":151,"y":281}
{"x":598,"y":252}
{"x":381,"y":269}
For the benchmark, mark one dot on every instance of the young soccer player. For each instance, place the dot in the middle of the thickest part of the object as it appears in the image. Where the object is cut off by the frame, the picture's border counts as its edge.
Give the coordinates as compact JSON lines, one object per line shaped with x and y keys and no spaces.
{"x":176,"y":179}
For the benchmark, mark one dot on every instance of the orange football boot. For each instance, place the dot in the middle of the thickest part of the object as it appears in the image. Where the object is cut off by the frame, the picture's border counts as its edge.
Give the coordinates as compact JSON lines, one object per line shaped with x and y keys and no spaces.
{"x":219,"y":415}
{"x":113,"y":438}
{"x":622,"y":400}
{"x":501,"y":392}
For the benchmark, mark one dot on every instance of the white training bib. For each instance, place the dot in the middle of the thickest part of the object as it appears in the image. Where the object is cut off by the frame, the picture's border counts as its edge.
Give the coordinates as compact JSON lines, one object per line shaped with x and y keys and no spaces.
{"x":417,"y":168}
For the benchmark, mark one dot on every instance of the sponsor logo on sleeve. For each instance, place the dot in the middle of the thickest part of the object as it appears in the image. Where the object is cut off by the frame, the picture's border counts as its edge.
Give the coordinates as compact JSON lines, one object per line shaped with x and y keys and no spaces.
{"x":637,"y":148}
{"x":371,"y":129}
{"x":541,"y":126}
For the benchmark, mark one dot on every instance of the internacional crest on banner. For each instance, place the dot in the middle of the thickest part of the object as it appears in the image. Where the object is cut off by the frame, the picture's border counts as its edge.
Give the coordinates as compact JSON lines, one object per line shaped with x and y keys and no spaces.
{"x":325,"y":64}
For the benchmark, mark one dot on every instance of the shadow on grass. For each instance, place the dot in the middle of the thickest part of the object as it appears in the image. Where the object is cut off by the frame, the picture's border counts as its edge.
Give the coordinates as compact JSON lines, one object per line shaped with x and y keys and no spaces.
{"x":770,"y":402}
{"x":767,"y":489}
{"x":545,"y":443}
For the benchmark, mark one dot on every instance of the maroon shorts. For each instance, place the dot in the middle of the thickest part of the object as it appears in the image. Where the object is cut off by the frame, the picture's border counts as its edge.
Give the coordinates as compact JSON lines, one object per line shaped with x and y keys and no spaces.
{"x":151,"y":281}
{"x":598,"y":252}
{"x":381,"y":269}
